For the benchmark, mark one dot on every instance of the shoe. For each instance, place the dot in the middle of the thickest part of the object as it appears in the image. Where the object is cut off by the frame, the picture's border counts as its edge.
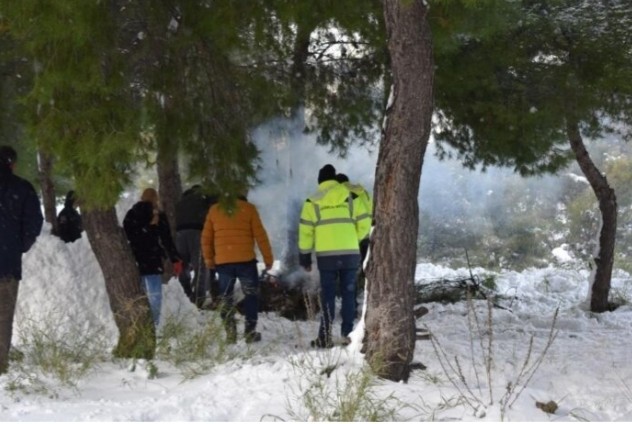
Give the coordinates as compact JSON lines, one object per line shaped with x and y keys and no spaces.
{"x":252,"y":337}
{"x":322,"y":344}
{"x":199,"y":302}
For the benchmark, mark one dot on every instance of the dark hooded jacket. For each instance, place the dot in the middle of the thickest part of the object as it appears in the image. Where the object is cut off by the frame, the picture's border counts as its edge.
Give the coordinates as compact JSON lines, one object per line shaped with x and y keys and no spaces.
{"x":191,"y":210}
{"x":20,"y":221}
{"x":69,"y":220}
{"x":150,"y":244}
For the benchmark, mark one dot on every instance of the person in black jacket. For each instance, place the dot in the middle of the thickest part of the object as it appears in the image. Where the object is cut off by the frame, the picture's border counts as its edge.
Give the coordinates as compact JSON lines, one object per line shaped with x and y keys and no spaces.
{"x":69,"y":221}
{"x":191,"y":212}
{"x":149,"y":236}
{"x":20,"y":223}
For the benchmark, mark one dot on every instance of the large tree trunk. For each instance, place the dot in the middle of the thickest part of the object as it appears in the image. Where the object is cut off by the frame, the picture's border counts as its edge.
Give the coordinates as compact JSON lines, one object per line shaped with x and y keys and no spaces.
{"x":128,"y":301}
{"x":45,"y":173}
{"x":390,"y":323}
{"x":604,"y":257}
{"x":170,"y":191}
{"x":169,"y":184}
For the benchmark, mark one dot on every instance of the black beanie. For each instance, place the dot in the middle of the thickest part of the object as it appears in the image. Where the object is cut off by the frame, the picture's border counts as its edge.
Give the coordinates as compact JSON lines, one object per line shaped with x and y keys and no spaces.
{"x":326,"y":173}
{"x":342,"y":178}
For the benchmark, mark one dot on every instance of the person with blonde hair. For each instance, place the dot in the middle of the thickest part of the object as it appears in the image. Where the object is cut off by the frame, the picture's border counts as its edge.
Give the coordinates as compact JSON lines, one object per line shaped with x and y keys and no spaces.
{"x":147,"y":230}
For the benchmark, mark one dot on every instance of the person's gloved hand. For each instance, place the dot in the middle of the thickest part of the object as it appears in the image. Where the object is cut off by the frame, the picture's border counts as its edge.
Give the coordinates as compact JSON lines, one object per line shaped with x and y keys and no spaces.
{"x":177,"y":267}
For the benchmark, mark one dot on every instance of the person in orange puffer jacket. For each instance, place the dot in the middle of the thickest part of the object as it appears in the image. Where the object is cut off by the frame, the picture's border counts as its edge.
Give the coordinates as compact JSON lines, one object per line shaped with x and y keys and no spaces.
{"x":228,"y":240}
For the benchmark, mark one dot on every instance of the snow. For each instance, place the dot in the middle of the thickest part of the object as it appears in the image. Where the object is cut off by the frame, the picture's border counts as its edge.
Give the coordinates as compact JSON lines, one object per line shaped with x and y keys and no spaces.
{"x":586,"y":370}
{"x":562,"y":255}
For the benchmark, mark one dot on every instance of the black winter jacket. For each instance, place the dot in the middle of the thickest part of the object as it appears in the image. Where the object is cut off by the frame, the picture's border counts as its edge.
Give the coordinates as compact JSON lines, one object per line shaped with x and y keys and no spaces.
{"x":151,"y":244}
{"x":191,"y":210}
{"x":69,"y":221}
{"x":20,"y":221}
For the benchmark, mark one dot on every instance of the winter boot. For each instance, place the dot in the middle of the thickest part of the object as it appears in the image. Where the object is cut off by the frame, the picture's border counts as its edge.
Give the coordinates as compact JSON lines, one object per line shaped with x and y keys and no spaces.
{"x":322,"y":343}
{"x":252,"y":337}
{"x":250,"y":334}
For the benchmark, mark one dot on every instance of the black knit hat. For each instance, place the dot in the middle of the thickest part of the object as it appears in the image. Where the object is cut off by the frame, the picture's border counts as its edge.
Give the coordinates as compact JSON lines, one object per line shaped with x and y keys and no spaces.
{"x":342,"y":178}
{"x":326,"y":173}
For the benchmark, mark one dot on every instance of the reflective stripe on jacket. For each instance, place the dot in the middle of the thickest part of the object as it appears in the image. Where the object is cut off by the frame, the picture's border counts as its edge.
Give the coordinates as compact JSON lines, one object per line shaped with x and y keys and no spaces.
{"x":332,"y":222}
{"x":365,"y":199}
{"x":363,"y":195}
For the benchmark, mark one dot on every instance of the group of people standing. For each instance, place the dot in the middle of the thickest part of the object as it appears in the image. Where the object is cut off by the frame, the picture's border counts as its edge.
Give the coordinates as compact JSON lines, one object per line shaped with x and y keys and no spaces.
{"x":214,"y":247}
{"x":335,"y":223}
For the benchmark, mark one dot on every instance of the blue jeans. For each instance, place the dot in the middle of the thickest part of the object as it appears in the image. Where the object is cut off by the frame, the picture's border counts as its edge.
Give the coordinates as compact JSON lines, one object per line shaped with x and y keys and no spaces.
{"x":328,"y":280}
{"x":153,"y":289}
{"x":249,"y":279}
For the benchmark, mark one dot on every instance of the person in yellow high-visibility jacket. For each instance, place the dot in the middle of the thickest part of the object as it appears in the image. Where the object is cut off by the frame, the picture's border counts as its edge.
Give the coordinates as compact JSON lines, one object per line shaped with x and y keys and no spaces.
{"x":332,"y":224}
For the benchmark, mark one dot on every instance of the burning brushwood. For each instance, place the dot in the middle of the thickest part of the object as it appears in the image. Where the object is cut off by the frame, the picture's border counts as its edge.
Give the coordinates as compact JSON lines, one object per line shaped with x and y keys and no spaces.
{"x":290,"y":294}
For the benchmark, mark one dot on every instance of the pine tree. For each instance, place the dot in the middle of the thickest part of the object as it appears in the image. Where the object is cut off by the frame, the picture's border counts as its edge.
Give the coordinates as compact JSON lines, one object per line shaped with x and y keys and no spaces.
{"x":557,"y":73}
{"x":390,"y":273}
{"x":81,"y":111}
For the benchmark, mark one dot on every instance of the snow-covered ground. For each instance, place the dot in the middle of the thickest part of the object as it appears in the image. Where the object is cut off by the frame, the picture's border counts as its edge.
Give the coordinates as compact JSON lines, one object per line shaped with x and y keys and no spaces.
{"x":587,"y":370}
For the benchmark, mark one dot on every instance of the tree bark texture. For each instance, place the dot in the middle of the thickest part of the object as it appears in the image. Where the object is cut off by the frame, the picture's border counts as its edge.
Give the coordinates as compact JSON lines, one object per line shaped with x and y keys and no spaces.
{"x":390,"y":323}
{"x":122,"y":282}
{"x":45,"y":173}
{"x":169,"y":184}
{"x":608,"y":207}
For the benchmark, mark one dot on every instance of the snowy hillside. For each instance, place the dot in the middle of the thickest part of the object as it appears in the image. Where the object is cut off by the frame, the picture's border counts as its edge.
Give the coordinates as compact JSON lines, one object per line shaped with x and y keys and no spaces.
{"x":586,"y":371}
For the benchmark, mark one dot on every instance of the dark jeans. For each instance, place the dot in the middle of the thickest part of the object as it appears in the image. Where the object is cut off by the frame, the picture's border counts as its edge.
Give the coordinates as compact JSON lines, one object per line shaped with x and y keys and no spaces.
{"x":8,"y":299}
{"x":249,"y":279}
{"x":328,"y":279}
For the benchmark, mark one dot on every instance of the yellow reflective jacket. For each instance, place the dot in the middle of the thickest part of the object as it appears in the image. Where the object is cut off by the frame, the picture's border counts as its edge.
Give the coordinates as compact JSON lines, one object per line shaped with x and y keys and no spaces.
{"x":332,"y":223}
{"x":363,"y":197}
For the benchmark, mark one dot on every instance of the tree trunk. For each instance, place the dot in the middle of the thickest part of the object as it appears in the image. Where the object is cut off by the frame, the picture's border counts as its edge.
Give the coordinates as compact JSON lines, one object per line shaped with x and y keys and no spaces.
{"x":169,"y":184}
{"x":170,"y":191}
{"x":390,"y":322}
{"x":129,"y":304}
{"x":295,"y":126}
{"x":45,"y":173}
{"x":604,"y":257}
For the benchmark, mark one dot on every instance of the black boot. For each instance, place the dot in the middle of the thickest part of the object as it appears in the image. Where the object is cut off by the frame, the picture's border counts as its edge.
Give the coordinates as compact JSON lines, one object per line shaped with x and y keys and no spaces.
{"x":250,"y":334}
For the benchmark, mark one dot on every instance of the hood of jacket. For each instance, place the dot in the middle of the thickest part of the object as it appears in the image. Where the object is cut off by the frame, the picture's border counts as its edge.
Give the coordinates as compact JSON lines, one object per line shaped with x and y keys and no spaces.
{"x":330,"y":193}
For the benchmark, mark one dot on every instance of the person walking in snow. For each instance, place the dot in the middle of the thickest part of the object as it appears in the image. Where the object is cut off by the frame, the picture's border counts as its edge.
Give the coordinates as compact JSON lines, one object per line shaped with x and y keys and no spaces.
{"x":332,"y":224}
{"x":68,"y":220}
{"x":228,"y":239}
{"x":20,"y":223}
{"x":149,"y":236}
{"x":191,"y":212}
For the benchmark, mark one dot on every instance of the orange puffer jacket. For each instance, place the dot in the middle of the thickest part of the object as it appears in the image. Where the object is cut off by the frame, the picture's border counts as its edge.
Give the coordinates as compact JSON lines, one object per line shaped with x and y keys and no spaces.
{"x":231,"y":238}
